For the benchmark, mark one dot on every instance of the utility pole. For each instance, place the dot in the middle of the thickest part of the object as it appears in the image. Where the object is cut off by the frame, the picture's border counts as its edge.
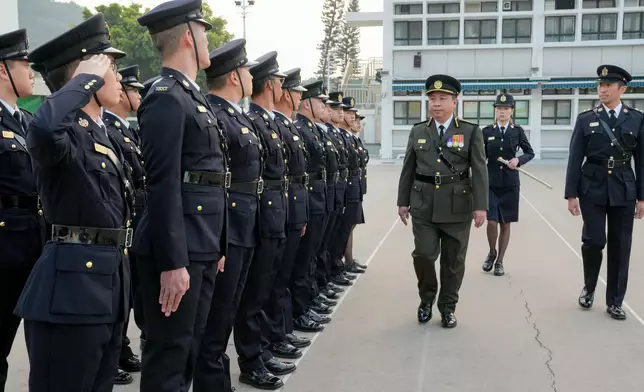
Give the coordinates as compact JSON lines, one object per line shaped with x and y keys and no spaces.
{"x":244,"y":5}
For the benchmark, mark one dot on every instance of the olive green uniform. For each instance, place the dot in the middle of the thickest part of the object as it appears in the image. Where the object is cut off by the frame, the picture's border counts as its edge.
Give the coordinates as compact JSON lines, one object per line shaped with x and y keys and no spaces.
{"x":442,"y":198}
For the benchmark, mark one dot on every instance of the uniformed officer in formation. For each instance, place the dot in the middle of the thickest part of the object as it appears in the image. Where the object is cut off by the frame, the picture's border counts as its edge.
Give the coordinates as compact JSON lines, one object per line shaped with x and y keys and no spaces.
{"x":77,"y":296}
{"x":229,"y":81}
{"x":602,"y":186}
{"x":181,"y":238}
{"x":502,"y":140}
{"x":126,"y":138}
{"x":21,"y":224}
{"x":279,"y":308}
{"x":438,"y":191}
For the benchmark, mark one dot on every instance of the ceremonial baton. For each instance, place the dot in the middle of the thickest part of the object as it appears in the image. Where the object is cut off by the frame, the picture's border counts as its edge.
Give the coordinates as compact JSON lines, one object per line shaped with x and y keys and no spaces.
{"x":526,"y":173}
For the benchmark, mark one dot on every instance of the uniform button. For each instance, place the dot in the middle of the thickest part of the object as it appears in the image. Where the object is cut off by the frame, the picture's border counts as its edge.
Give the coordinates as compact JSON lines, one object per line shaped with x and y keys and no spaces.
{"x":234,"y":204}
{"x":2,"y":224}
{"x":94,"y":80}
{"x":103,"y":165}
{"x":40,"y":212}
{"x":500,"y":167}
{"x":437,"y":186}
{"x":13,"y":146}
{"x":438,"y":160}
{"x":501,"y":148}
{"x":87,"y":87}
{"x":270,"y":203}
{"x":142,"y":163}
{"x":125,"y":251}
{"x":128,"y":223}
{"x":89,"y":264}
{"x":610,"y":172}
{"x":199,"y":208}
{"x":294,"y":197}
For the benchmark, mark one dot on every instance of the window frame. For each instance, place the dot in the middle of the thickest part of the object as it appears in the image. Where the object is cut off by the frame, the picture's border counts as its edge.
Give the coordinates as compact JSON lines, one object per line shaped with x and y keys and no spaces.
{"x":599,"y":35}
{"x":479,"y":120}
{"x":557,"y":119}
{"x":398,"y":9}
{"x":634,"y":34}
{"x":407,"y":120}
{"x":597,"y":4}
{"x":443,"y":7}
{"x":480,"y":37}
{"x":444,"y":39}
{"x":408,"y":39}
{"x":560,"y":20}
{"x":516,"y":37}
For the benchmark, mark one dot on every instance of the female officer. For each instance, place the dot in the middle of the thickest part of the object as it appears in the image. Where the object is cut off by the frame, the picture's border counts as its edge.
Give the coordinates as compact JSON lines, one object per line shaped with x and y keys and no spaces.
{"x":503,"y":139}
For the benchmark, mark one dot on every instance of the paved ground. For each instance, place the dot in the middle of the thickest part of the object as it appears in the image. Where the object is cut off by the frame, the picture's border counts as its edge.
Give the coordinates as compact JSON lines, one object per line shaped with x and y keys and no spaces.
{"x":522,"y":332}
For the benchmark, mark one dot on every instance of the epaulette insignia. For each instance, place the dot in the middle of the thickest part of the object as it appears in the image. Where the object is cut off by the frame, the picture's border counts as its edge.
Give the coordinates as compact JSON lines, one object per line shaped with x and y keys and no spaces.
{"x":466,"y":122}
{"x":422,"y":122}
{"x":231,"y":110}
{"x":118,"y":124}
{"x":83,"y":122}
{"x":161,"y":88}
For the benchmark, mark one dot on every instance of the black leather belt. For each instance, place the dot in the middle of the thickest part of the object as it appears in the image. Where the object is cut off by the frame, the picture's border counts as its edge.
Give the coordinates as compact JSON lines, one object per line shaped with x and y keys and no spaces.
{"x":92,"y":235}
{"x":355,"y":173}
{"x":277,"y":184}
{"x":344,"y":173}
{"x":333,"y":177}
{"x":302,"y":179}
{"x":12,"y":201}
{"x":610,"y":163}
{"x":317,"y":176}
{"x":253,"y":187}
{"x":442,"y":179}
{"x":207,"y":178}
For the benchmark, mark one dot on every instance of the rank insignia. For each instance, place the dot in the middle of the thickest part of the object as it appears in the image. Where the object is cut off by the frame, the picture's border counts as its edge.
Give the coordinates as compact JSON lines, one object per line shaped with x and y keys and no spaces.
{"x":8,"y":135}
{"x":438,"y":84}
{"x":286,"y":122}
{"x":296,"y":138}
{"x":185,"y":83}
{"x":265,"y":116}
{"x":329,"y":143}
{"x":231,"y":111}
{"x":126,"y":139}
{"x":244,"y":131}
{"x":83,"y":122}
{"x":201,"y":109}
{"x":310,"y":125}
{"x":118,"y":124}
{"x":273,"y":135}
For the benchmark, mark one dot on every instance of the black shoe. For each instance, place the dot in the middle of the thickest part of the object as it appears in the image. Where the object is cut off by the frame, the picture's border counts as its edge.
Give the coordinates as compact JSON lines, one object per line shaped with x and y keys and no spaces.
{"x":424,"y":312}
{"x":341,"y":280}
{"x":131,"y":364}
{"x":278,"y":367}
{"x":318,"y":318}
{"x":325,"y":300}
{"x":330,"y":294}
{"x":123,"y":378}
{"x":489,"y":262}
{"x":616,"y":312}
{"x":285,"y":350}
{"x":320,"y":308}
{"x":586,"y":299}
{"x":353,"y":268}
{"x":348,"y":275}
{"x":261,"y":379}
{"x":305,"y":324}
{"x":362,"y":266}
{"x":334,"y":287}
{"x":297,"y":341}
{"x":448,"y":320}
{"x":498,"y":269}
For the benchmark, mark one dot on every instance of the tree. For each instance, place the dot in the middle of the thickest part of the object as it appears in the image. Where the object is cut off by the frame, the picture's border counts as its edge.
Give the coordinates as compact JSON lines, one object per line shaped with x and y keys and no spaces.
{"x":348,"y":48}
{"x":133,"y":39}
{"x":332,"y":11}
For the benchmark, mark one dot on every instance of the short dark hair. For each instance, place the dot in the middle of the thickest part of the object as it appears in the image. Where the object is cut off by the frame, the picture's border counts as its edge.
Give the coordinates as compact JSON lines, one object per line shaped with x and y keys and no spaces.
{"x":167,"y":41}
{"x":259,"y":86}
{"x":57,"y":78}
{"x":218,"y":82}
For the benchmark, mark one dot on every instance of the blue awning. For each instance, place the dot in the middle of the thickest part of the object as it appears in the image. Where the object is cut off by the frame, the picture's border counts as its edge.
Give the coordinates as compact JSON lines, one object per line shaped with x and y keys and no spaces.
{"x":415,"y":85}
{"x":570,"y":84}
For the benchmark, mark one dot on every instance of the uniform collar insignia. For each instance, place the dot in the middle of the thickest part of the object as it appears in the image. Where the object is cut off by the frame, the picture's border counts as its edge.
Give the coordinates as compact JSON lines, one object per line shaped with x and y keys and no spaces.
{"x":83,"y":122}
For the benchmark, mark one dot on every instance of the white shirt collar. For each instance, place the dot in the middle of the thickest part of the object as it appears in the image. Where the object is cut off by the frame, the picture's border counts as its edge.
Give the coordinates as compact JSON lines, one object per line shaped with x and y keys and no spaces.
{"x":101,"y":124}
{"x":125,"y":122}
{"x":617,"y":109}
{"x":506,"y":125}
{"x":323,"y":126}
{"x":8,"y":107}
{"x":446,"y":124}
{"x":270,"y":114}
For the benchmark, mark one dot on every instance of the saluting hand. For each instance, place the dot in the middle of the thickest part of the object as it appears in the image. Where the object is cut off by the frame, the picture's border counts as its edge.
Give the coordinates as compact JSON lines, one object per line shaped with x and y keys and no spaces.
{"x":403,"y":213}
{"x":96,"y":65}
{"x":639,"y":210}
{"x":174,"y":284}
{"x":220,"y":264}
{"x":573,"y":206}
{"x":479,"y":218}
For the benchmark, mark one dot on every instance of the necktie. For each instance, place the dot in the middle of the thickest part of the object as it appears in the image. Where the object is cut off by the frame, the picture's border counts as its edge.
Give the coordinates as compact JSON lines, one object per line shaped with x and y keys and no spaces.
{"x":441,"y":130}
{"x":612,"y":117}
{"x":503,"y":131}
{"x":18,"y":117}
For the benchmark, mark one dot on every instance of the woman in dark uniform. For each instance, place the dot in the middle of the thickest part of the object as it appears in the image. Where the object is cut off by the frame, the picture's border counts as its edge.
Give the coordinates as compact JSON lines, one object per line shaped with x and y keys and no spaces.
{"x":503,"y":139}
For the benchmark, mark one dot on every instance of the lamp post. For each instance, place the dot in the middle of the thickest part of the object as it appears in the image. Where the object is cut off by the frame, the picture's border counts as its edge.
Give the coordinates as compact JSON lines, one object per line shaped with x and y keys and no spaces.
{"x":244,"y":5}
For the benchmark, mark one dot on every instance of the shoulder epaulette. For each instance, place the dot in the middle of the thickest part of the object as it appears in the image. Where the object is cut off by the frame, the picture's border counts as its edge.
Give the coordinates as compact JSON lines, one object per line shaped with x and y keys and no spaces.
{"x":164,"y":84}
{"x":27,"y":111}
{"x":467,"y":122}
{"x":587,"y":111}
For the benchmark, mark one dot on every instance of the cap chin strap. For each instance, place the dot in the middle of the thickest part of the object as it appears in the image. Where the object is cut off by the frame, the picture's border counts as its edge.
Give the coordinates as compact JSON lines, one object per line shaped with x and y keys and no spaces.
{"x":128,"y":98}
{"x":13,"y":85}
{"x":292,"y":101}
{"x":241,"y":83}
{"x":194,"y":44}
{"x":97,"y":101}
{"x":312,"y":111}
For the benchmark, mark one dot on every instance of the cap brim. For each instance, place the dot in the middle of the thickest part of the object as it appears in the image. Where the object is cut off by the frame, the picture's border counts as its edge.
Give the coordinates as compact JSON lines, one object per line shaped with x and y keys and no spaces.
{"x":503,"y":105}
{"x":135,"y":84}
{"x":298,"y":88}
{"x":280,"y":74}
{"x":250,"y":63}
{"x":440,"y":90}
{"x":113,"y":52}
{"x":205,"y":23}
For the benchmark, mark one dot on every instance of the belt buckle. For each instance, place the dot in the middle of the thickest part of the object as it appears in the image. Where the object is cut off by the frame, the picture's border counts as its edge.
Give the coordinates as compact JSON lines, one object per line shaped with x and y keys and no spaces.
{"x":260,"y":186}
{"x":324,"y":175}
{"x":286,"y":184}
{"x":437,"y":179}
{"x":306,"y":179}
{"x":227,"y":179}
{"x":611,"y":163}
{"x":129,"y":234}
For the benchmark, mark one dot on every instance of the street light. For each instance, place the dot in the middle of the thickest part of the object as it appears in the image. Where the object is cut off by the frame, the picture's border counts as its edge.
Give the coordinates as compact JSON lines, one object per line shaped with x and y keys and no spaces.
{"x":244,"y":5}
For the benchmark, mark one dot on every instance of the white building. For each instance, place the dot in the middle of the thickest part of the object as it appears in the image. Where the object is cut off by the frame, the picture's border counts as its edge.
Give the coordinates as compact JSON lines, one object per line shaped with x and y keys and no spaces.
{"x":544,"y":52}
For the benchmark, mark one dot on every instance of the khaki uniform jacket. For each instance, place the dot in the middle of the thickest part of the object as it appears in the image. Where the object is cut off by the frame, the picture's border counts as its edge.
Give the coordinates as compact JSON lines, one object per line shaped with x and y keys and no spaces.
{"x":449,"y":202}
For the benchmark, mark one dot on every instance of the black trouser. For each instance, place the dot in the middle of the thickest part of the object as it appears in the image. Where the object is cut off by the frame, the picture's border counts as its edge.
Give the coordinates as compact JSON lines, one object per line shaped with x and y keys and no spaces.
{"x":594,"y":239}
{"x":250,"y":319}
{"x":344,"y":225}
{"x":279,"y":309}
{"x":303,"y":278}
{"x":323,"y":259}
{"x":72,"y":358}
{"x":172,"y":343}
{"x":212,"y":373}
{"x":12,"y":281}
{"x":136,"y":303}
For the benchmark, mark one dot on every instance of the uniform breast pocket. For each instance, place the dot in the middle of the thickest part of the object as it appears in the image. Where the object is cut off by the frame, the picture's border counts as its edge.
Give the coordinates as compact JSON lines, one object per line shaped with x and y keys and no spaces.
{"x":84,"y":282}
{"x":16,"y":238}
{"x":203,"y":216}
{"x":208,"y":137}
{"x":514,"y":143}
{"x":13,"y":155}
{"x":247,"y":145}
{"x":273,"y":213}
{"x":629,"y":138}
{"x":462,"y":199}
{"x":317,"y":197}
{"x":104,"y":183}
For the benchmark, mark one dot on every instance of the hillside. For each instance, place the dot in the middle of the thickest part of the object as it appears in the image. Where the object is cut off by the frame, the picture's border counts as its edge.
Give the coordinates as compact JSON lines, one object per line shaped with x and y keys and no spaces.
{"x":45,"y":19}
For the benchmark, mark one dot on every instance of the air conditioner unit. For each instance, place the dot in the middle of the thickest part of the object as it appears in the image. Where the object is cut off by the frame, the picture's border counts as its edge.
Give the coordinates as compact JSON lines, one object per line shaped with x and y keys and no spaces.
{"x":507,"y":6}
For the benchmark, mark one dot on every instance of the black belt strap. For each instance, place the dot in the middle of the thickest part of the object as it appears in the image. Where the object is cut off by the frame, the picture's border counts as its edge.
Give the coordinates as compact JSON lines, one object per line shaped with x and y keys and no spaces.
{"x":611,"y":136}
{"x":277,"y":184}
{"x":252,"y":187}
{"x":355,"y":173}
{"x":13,"y":201}
{"x":609,"y":163}
{"x":317,"y":176}
{"x":92,"y":235}
{"x":301,"y":179}
{"x":207,"y":178}
{"x":442,"y":179}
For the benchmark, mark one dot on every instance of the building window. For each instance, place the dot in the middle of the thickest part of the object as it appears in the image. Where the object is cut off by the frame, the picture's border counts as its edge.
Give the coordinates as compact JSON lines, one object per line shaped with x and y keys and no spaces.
{"x":517,"y":31}
{"x":587,"y":104}
{"x":408,"y":93}
{"x":557,"y":91}
{"x":633,"y":3}
{"x":555,"y":112}
{"x":559,"y":5}
{"x":408,"y":9}
{"x":406,"y":113}
{"x":560,"y":28}
{"x":633,"y":26}
{"x":481,"y":6}
{"x":480,"y":92}
{"x":480,"y":31}
{"x":479,"y":112}
{"x":521,"y":113}
{"x":408,"y":33}
{"x":449,"y":8}
{"x":588,"y":91}
{"x":634,"y":103}
{"x":522,"y":5}
{"x":442,"y":32}
{"x":599,"y":27}
{"x":598,"y":4}
{"x":635,"y":90}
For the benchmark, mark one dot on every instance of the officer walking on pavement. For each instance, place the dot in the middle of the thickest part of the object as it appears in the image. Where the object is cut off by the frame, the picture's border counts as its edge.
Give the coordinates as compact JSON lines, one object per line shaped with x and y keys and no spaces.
{"x":279,"y":310}
{"x":125,"y":137}
{"x":22,"y":229}
{"x":181,"y":238}
{"x":503,"y":139}
{"x":77,"y":297}
{"x":257,"y":364}
{"x":604,"y":189}
{"x":229,"y":81}
{"x":438,"y":191}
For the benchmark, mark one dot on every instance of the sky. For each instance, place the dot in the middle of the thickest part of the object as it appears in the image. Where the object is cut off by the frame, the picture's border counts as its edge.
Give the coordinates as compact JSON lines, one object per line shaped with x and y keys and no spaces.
{"x":293,"y":28}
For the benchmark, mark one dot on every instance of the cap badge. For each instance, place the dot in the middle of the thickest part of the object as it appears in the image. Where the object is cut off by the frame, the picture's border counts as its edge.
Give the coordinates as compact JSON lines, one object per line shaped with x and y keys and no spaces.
{"x":503,"y":98}
{"x":353,"y":102}
{"x":438,"y":84}
{"x":108,"y":32}
{"x":604,"y":71}
{"x":83,"y":122}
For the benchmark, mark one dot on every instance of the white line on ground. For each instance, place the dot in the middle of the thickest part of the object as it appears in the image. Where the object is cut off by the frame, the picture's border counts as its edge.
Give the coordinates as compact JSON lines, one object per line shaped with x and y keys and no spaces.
{"x":422,"y":369}
{"x":601,"y":279}
{"x":345,"y":295}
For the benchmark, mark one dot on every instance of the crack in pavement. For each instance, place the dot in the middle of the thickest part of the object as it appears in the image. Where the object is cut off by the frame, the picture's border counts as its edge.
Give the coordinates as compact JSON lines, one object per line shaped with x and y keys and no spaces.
{"x":537,"y":338}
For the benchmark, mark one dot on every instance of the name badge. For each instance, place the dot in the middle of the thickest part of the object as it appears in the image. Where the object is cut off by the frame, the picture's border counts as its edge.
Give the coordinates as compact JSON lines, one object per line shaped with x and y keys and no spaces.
{"x":201,"y":109}
{"x":8,"y":135}
{"x":594,"y":124}
{"x":100,"y":149}
{"x":244,"y":131}
{"x":422,"y":141}
{"x":491,"y":138}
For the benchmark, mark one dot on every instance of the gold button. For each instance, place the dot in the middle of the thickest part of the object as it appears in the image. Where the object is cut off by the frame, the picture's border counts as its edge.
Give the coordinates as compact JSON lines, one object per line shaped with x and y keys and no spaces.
{"x":437,"y":186}
{"x":270,"y":203}
{"x":294,"y":197}
{"x":501,"y":148}
{"x":611,"y":157}
{"x":234,"y":204}
{"x":610,"y":172}
{"x":125,"y":251}
{"x":13,"y":146}
{"x":84,"y":50}
{"x":89,"y":264}
{"x":103,"y":165}
{"x":2,"y":224}
{"x":128,"y":223}
{"x":438,"y":160}
{"x":199,"y":208}
{"x":86,"y":87}
{"x":40,"y":212}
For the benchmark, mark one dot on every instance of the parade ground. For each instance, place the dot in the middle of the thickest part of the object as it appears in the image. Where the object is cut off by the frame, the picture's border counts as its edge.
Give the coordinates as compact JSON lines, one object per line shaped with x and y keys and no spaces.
{"x":522,"y":332}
